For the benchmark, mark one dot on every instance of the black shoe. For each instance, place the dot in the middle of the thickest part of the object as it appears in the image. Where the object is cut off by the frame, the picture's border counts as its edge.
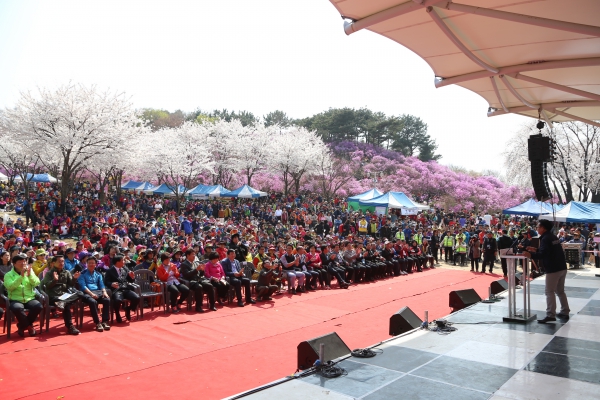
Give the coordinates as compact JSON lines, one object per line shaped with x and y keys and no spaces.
{"x":300,"y":289}
{"x":128,"y":313}
{"x":293,"y":290}
{"x":563,"y":316}
{"x":174,"y":310}
{"x":213,"y":308}
{"x":199,"y":310}
{"x":220,"y":302}
{"x":545,"y":320}
{"x":240,"y":304}
{"x":71,"y":330}
{"x":267,"y":298}
{"x":250,"y":301}
{"x":21,"y":332}
{"x":119,"y":319}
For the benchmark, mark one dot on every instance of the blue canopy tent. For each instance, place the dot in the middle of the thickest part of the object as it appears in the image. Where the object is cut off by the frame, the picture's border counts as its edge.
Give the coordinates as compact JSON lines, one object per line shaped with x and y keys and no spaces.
{"x":353,"y":202}
{"x":217,"y":191}
{"x":197,"y":191}
{"x":165,"y":190}
{"x":576,"y":212}
{"x":245,"y":192}
{"x":532,"y":208}
{"x":144,"y":186}
{"x":34,"y":178}
{"x":209,"y":191}
{"x":394,"y":200}
{"x":131,"y":185}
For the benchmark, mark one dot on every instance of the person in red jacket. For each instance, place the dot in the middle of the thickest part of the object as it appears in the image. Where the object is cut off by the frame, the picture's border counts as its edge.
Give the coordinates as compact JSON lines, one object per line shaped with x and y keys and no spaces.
{"x":168,"y":273}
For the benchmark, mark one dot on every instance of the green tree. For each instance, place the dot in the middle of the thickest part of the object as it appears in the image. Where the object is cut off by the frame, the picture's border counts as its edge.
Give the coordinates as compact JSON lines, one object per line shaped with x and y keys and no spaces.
{"x":277,"y":117}
{"x":412,"y":137}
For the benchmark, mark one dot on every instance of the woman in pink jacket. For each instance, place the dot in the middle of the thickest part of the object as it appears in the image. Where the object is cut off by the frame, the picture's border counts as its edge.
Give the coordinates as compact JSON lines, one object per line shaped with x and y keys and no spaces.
{"x":214,"y":272}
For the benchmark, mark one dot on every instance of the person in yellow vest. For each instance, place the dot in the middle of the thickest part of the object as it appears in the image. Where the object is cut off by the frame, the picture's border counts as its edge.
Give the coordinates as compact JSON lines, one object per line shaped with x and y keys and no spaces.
{"x":418,"y":237}
{"x":460,"y":250}
{"x":448,"y":244}
{"x":400,"y":235}
{"x":362,"y":226}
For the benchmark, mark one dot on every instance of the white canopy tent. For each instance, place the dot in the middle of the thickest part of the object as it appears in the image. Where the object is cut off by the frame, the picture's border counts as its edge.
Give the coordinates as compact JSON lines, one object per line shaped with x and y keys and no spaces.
{"x":533,"y":58}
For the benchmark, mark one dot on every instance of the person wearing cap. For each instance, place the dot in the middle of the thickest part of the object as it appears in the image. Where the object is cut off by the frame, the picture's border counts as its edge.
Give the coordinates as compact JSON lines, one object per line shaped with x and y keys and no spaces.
{"x":71,"y":263}
{"x":178,"y":292}
{"x":57,"y":282}
{"x":193,"y":271}
{"x":118,"y":278}
{"x":553,"y":256}
{"x":20,"y":283}
{"x":91,"y":283}
{"x":40,"y":262}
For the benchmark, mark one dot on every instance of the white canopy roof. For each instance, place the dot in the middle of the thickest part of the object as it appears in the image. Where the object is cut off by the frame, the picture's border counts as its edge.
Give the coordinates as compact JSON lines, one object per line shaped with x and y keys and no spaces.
{"x":523,"y":56}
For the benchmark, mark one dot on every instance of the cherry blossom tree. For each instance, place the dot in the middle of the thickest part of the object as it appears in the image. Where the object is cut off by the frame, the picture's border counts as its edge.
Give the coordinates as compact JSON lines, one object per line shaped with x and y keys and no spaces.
{"x":176,"y":156}
{"x":295,"y":152}
{"x":70,"y":126}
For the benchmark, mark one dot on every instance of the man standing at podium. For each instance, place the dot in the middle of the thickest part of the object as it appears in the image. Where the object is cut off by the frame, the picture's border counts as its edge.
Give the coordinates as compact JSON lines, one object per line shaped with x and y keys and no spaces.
{"x":553,"y":256}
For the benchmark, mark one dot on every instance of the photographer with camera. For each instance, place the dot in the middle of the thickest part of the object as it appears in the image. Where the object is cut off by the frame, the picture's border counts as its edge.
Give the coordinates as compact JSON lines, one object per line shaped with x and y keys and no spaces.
{"x":59,"y":281}
{"x":120,"y":280}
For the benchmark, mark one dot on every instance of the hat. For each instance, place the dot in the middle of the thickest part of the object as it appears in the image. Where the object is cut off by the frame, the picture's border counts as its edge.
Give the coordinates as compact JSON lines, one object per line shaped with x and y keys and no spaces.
{"x":40,"y":252}
{"x":61,"y":244}
{"x":70,"y":250}
{"x":80,"y":243}
{"x":83,"y":255}
{"x":20,"y":256}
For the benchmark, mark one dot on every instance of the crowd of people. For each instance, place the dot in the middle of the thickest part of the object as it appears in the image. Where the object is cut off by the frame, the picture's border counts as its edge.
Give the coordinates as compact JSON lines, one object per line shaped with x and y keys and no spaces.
{"x":217,"y":247}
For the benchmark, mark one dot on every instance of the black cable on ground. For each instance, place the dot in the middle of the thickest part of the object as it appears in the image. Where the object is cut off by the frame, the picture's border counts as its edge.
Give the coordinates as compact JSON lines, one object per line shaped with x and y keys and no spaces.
{"x":365,"y":353}
{"x":330,"y":370}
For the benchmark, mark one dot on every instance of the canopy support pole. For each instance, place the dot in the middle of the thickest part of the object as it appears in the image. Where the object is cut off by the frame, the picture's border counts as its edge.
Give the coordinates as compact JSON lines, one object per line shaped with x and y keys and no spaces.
{"x":556,"y":86}
{"x":540,"y":65}
{"x":442,"y":25}
{"x":384,"y":15}
{"x":526,"y":19}
{"x":516,"y":94}
{"x":575,"y":117}
{"x":493,"y":78}
{"x":547,"y":106}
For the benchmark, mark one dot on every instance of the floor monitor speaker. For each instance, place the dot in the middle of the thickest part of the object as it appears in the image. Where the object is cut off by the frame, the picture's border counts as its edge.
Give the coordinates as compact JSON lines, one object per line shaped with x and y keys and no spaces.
{"x":460,"y":299}
{"x":498,"y":286}
{"x":308,"y":351}
{"x":403,"y":321}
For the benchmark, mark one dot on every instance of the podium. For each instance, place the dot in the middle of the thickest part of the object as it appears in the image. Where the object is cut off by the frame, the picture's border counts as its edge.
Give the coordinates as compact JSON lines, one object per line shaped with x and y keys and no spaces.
{"x":511,"y":264}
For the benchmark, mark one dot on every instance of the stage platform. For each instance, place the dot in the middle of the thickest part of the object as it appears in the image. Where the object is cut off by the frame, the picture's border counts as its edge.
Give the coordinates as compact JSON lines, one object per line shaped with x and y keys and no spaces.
{"x":483,"y":359}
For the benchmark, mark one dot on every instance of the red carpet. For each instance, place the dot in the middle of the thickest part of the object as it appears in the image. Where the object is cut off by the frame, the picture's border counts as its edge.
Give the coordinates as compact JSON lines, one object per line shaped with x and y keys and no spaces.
{"x":214,"y":355}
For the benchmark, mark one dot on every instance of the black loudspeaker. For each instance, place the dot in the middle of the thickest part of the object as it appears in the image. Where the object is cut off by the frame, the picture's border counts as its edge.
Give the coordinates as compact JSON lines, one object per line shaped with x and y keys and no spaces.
{"x":308,"y":351}
{"x":498,"y":286}
{"x":539,"y":148}
{"x":403,"y":321}
{"x":460,"y":299}
{"x":539,"y":179}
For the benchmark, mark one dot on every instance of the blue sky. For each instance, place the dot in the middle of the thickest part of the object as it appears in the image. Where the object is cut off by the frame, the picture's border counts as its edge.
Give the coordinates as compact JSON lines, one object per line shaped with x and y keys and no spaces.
{"x":258,"y":55}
